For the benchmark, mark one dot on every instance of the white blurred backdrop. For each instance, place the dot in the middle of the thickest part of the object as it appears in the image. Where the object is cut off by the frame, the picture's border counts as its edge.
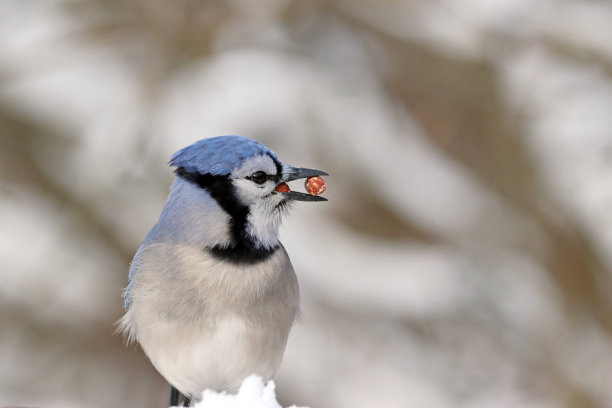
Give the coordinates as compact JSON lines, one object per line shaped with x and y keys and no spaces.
{"x":464,"y":257}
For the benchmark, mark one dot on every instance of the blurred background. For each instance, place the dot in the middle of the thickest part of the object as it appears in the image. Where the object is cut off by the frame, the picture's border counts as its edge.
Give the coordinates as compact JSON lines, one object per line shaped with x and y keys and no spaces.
{"x":464,"y":258}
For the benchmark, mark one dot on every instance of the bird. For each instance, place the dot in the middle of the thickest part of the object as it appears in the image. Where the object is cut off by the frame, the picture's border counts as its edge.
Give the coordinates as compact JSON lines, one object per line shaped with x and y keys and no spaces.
{"x":212,"y":294}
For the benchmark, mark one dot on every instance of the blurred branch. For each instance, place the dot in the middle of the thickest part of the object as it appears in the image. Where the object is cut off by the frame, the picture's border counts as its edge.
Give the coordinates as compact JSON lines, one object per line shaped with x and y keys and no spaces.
{"x":577,"y":54}
{"x":154,"y":34}
{"x":18,"y":140}
{"x":366,"y":213}
{"x":476,"y":132}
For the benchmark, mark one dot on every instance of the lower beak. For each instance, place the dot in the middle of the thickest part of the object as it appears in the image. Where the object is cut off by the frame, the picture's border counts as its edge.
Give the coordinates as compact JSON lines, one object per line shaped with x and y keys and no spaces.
{"x":292,"y":173}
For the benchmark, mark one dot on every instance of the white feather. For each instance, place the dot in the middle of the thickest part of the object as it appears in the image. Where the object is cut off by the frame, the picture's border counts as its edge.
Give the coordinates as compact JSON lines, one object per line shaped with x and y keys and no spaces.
{"x":234,"y":320}
{"x":264,"y":215}
{"x":205,"y":322}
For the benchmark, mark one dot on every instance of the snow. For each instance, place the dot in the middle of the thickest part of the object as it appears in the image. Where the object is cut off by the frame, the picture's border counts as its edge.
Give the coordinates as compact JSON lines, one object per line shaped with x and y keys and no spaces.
{"x":253,"y":393}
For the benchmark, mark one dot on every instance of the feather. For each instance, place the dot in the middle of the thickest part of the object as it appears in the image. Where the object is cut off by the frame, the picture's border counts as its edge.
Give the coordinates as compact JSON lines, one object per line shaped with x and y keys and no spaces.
{"x":218,"y":155}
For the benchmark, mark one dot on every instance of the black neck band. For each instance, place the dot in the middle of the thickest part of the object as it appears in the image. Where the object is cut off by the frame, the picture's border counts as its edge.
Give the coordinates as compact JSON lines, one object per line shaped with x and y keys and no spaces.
{"x":242,"y":249}
{"x":242,"y":254}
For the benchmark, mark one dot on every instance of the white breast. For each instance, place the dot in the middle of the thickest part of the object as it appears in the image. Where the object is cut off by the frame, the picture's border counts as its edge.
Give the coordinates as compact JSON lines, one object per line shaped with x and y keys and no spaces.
{"x":208,"y":324}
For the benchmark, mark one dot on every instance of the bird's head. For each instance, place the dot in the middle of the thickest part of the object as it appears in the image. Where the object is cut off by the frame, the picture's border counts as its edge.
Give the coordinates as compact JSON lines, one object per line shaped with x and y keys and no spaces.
{"x":247,"y":181}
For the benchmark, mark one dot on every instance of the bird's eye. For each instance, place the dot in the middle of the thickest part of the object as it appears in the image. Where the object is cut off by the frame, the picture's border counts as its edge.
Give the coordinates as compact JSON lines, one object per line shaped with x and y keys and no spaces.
{"x":259,"y":177}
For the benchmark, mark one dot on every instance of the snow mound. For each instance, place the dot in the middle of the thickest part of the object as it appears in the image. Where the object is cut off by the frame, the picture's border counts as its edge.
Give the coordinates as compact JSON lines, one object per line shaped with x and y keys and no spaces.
{"x":253,"y":393}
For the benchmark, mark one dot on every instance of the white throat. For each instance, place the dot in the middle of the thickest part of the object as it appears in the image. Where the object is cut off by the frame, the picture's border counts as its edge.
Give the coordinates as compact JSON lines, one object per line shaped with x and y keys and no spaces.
{"x":263,"y":222}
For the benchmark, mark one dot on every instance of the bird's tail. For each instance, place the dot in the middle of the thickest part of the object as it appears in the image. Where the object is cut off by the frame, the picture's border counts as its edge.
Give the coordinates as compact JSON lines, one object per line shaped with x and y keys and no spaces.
{"x":124,"y":327}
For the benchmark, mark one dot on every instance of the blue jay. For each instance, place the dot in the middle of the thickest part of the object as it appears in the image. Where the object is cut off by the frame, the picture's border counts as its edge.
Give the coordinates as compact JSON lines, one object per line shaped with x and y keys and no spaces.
{"x":212,"y":294}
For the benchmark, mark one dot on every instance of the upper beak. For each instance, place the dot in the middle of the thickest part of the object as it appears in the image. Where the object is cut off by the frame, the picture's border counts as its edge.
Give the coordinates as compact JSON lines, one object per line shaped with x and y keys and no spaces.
{"x":292,"y":173}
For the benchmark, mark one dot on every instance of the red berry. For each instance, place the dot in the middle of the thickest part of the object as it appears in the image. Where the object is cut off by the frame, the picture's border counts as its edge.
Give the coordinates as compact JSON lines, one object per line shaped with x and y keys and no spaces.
{"x":282,"y":188}
{"x":315,"y":185}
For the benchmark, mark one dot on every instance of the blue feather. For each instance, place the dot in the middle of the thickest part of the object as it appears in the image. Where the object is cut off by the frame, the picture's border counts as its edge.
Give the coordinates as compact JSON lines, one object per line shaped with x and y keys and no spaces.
{"x":218,"y":155}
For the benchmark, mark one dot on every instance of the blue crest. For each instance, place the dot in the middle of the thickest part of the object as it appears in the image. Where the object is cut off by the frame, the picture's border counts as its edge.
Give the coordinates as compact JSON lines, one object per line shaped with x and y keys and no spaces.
{"x":218,"y":155}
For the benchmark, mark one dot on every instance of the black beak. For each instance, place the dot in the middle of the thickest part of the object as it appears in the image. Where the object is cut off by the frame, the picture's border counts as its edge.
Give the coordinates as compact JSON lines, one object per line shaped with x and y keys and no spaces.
{"x":292,"y":173}
{"x":297,"y":196}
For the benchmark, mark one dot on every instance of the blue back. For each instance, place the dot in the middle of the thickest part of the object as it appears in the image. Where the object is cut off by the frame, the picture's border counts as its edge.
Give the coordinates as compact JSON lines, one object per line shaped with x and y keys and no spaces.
{"x":218,"y":155}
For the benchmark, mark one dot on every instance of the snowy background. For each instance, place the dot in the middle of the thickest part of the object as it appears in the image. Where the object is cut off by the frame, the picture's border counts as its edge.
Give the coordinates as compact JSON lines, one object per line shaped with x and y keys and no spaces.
{"x":464,"y":258}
